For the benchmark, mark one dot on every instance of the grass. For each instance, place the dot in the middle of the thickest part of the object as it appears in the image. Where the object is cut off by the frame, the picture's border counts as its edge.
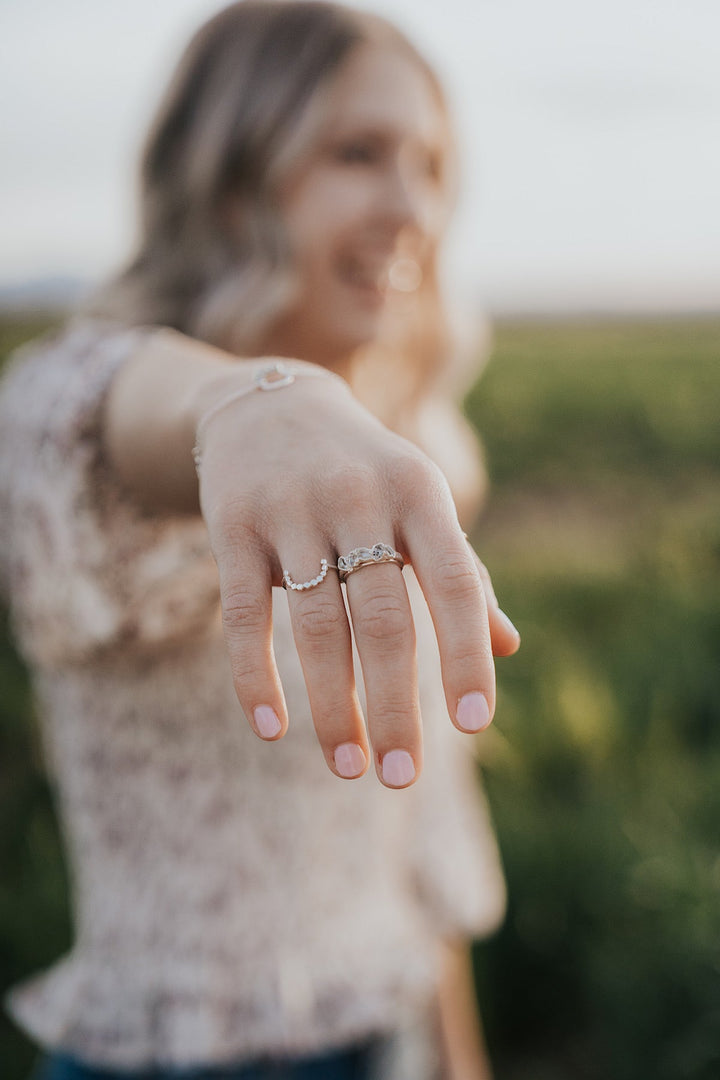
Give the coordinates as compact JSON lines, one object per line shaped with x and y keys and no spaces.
{"x":603,"y":767}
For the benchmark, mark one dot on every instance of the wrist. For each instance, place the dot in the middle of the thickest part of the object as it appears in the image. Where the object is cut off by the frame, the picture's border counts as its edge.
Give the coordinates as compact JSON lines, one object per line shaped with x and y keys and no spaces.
{"x":259,"y":376}
{"x":217,"y":382}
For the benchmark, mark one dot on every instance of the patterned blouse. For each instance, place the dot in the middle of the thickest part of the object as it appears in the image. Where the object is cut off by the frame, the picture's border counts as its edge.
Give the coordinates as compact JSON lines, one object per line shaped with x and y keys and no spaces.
{"x":231,"y":897}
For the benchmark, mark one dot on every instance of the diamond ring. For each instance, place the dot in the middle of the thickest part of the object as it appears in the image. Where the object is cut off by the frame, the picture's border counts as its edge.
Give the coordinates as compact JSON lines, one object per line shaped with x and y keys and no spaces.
{"x":288,"y":583}
{"x":363,"y":556}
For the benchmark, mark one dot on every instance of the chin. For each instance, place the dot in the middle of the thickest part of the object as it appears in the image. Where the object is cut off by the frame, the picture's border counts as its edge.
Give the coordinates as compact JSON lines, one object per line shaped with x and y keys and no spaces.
{"x":356,"y":344}
{"x":361,"y":329}
{"x":341,"y":328}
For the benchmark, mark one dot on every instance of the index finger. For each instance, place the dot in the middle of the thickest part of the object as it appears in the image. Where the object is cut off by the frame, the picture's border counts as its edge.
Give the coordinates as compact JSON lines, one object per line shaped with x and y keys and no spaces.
{"x":246,"y":597}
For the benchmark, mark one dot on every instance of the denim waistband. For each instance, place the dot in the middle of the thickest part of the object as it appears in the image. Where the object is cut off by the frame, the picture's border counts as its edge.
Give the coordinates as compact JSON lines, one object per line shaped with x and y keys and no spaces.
{"x":352,"y":1063}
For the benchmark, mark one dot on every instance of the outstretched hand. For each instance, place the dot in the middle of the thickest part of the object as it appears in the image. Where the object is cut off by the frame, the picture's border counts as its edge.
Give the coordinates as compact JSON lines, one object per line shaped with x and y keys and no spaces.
{"x":307,"y":473}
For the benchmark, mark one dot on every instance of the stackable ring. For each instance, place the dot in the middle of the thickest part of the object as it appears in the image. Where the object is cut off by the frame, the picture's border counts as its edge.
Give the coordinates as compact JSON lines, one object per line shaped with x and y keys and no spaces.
{"x":363,"y":556}
{"x":288,"y":583}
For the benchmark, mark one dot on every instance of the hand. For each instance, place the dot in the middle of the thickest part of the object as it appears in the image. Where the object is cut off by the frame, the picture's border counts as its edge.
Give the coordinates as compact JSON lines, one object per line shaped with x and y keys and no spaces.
{"x":305,"y":473}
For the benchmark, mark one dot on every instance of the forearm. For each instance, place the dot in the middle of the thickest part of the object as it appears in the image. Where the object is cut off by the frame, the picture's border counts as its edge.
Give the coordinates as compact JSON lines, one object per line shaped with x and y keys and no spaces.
{"x":464,"y":1051}
{"x":153,"y":407}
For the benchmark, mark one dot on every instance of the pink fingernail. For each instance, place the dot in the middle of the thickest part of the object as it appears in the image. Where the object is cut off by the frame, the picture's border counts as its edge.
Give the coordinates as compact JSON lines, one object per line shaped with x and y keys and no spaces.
{"x":398,"y":768}
{"x":350,"y":761}
{"x":473,"y":712}
{"x":266,"y":721}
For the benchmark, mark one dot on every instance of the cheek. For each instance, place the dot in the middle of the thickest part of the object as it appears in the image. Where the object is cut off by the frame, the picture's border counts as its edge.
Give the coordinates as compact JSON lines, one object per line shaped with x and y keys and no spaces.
{"x":321,"y":213}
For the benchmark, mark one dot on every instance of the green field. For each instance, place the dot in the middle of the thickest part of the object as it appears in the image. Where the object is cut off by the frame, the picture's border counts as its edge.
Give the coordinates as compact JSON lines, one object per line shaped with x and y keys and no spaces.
{"x":603,"y":767}
{"x":603,"y":536}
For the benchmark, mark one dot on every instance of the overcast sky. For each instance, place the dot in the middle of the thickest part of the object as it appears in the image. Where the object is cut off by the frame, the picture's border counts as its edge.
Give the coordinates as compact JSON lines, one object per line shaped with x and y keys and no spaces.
{"x":590,"y":131}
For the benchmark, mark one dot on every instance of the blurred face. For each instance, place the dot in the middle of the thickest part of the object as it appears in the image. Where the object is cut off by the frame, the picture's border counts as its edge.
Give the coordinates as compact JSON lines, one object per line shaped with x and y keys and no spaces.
{"x":364,"y":207}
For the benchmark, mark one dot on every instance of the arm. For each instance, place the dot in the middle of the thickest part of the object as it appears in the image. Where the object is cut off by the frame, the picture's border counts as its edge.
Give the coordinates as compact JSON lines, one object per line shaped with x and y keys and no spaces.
{"x":464,"y":1051}
{"x":154,"y":405}
{"x":288,"y":478}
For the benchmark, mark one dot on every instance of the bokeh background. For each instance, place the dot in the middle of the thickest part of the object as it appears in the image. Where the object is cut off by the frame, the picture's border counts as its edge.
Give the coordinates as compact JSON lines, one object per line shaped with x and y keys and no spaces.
{"x":588,"y":239}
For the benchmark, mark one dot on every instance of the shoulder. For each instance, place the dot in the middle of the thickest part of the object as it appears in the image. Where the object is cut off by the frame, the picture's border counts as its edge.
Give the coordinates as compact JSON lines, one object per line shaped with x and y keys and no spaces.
{"x":57,"y":376}
{"x":51,"y":398}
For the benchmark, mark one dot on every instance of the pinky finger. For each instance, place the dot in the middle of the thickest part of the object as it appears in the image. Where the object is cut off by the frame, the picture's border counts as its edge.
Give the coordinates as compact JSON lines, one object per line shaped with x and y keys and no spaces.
{"x":504,"y":636}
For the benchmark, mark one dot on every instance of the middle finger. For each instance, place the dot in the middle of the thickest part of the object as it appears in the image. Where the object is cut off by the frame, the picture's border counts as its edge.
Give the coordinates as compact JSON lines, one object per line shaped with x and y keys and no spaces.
{"x":385,"y":636}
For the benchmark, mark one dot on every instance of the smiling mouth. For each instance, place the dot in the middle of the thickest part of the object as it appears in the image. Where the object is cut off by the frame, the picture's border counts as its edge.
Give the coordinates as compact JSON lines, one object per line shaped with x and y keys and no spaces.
{"x":371,"y":276}
{"x":377,"y":277}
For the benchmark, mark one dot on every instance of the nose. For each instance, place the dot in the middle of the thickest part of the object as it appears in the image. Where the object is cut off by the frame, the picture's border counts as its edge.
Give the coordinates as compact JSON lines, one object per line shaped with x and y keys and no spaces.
{"x":403,"y":203}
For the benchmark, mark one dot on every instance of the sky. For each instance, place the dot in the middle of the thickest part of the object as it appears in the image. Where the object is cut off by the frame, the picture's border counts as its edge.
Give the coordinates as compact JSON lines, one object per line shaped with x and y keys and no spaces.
{"x":590,"y":136}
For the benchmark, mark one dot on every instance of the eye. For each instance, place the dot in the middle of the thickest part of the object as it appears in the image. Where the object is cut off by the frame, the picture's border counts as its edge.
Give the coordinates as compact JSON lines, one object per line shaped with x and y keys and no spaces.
{"x":358,"y":152}
{"x":429,"y":165}
{"x":433,"y":165}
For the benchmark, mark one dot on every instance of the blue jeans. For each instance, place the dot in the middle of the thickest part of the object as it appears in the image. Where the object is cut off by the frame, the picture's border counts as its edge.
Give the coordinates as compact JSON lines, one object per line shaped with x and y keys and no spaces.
{"x":348,"y":1064}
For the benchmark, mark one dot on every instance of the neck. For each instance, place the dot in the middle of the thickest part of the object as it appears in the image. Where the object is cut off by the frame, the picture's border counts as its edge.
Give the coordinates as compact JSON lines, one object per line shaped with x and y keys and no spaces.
{"x":292,"y":347}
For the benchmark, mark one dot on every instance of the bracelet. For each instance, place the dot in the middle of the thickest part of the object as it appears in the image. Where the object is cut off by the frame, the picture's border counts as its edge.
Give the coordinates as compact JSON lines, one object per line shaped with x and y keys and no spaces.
{"x":272,"y":376}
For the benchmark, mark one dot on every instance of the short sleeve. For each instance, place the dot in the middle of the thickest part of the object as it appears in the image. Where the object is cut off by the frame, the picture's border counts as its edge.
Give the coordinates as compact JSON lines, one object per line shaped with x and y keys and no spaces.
{"x":84,"y":568}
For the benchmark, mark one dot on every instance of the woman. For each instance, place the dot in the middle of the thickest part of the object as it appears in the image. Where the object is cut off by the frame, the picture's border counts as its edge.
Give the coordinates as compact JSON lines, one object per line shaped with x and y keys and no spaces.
{"x":239,"y":905}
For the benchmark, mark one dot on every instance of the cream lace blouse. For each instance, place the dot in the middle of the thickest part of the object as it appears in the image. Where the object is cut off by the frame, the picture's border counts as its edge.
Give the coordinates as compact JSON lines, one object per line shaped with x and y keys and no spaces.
{"x":231,"y":897}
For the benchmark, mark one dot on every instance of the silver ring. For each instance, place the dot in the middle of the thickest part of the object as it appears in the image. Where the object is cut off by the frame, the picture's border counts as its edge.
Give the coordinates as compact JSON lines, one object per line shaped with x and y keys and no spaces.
{"x":362,"y":556}
{"x":288,"y":583}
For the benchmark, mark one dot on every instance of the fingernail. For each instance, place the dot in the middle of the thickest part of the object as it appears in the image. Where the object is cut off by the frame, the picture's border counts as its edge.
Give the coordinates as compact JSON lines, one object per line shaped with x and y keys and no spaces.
{"x":398,"y":768}
{"x":506,"y":622}
{"x":473,"y":712}
{"x":266,"y":721}
{"x":350,"y":761}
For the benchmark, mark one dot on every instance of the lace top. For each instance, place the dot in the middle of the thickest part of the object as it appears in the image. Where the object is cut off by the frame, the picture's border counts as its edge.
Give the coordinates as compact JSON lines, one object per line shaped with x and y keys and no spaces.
{"x":231,"y":897}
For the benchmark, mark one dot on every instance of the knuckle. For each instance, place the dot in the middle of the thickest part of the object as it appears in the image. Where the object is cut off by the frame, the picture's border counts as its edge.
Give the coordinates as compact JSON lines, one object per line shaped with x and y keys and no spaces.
{"x":396,"y":712}
{"x":458,"y":578}
{"x":469,"y":654}
{"x":317,"y":620}
{"x":225,"y":514}
{"x":243,"y":610}
{"x":396,"y":724}
{"x":235,"y":522}
{"x":384,"y":621}
{"x":418,"y":485}
{"x":246,"y":673}
{"x":411,"y":471}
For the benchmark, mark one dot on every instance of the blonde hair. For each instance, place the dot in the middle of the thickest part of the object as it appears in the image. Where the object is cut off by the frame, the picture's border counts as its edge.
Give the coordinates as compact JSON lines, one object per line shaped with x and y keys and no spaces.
{"x":230,"y":126}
